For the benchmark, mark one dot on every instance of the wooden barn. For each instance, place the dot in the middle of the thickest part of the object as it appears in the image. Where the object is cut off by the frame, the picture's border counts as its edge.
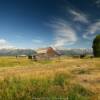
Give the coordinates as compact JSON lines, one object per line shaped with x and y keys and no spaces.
{"x":46,"y":53}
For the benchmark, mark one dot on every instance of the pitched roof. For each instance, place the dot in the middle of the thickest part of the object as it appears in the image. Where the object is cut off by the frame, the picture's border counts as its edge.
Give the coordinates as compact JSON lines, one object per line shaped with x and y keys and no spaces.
{"x":43,"y":50}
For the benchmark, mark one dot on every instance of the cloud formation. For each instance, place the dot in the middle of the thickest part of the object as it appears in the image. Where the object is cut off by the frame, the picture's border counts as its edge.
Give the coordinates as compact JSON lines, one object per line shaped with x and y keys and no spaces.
{"x":79,"y":16}
{"x":92,"y":30}
{"x":64,"y":33}
{"x":5,"y":44}
{"x":97,"y":2}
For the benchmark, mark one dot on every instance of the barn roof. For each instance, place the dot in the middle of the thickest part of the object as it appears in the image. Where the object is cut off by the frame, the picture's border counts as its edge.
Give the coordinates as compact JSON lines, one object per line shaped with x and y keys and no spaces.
{"x":43,"y":50}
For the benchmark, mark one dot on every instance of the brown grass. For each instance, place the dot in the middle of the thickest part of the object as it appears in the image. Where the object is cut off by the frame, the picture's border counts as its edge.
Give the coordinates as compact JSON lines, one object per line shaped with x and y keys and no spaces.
{"x":80,"y":71}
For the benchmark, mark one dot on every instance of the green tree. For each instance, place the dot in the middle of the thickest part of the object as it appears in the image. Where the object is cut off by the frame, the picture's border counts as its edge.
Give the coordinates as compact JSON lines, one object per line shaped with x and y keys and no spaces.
{"x":96,"y":46}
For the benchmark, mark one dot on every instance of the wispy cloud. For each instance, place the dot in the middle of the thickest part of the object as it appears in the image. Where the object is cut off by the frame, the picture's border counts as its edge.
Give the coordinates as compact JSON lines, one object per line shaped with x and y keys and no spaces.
{"x":92,"y":30}
{"x":64,"y":33}
{"x":5,"y":44}
{"x":79,"y":16}
{"x":97,"y":2}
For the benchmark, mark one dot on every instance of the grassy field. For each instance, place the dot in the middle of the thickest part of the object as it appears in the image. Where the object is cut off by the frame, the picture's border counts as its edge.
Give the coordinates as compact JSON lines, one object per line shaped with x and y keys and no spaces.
{"x":65,"y":78}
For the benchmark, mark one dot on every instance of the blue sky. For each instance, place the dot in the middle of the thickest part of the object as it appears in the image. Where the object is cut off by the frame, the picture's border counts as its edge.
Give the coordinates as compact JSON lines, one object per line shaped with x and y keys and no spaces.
{"x":42,"y":23}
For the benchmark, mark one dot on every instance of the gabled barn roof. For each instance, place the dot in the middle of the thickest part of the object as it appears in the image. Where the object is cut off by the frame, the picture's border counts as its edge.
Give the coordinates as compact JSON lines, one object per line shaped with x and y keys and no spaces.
{"x":49,"y":51}
{"x":42,"y":50}
{"x":45,"y":50}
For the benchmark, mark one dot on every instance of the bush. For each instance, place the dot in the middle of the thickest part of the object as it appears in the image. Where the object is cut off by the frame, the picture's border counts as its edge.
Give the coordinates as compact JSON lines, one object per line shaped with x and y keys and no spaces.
{"x":96,"y":46}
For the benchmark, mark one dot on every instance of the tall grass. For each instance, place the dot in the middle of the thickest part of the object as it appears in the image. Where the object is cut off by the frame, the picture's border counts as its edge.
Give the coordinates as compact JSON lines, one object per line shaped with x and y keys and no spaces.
{"x":49,"y":80}
{"x":78,"y":92}
{"x":49,"y":89}
{"x":13,"y":61}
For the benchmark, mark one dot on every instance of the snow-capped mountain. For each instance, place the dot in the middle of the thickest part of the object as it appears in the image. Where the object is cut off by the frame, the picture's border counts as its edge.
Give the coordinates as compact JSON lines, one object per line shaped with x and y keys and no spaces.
{"x":77,"y":51}
{"x":63,"y":51}
{"x":15,"y":51}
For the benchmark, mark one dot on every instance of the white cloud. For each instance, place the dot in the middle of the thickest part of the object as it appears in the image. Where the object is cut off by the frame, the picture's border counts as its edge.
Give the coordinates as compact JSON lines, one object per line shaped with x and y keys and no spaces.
{"x":92,"y":30}
{"x":5,"y":44}
{"x":79,"y":16}
{"x":97,"y":2}
{"x":64,"y":34}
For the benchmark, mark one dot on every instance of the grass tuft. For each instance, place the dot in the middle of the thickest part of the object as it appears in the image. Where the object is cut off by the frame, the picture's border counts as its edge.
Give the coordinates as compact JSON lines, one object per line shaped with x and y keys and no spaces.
{"x":78,"y":92}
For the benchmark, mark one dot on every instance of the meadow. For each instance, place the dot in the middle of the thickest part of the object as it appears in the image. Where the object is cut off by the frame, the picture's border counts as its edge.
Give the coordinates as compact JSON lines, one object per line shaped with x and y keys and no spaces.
{"x":62,"y":78}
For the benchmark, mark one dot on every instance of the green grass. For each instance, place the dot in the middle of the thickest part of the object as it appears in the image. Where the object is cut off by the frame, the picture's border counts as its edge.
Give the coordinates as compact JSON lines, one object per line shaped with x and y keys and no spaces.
{"x":22,"y":89}
{"x":61,"y":79}
{"x":81,"y":71}
{"x":23,"y":79}
{"x":24,"y":61}
{"x":78,"y":92}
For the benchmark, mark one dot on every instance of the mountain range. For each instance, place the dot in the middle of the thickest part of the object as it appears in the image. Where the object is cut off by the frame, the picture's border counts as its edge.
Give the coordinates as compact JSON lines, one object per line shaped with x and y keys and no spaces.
{"x":14,"y":52}
{"x":77,"y":51}
{"x":68,"y":52}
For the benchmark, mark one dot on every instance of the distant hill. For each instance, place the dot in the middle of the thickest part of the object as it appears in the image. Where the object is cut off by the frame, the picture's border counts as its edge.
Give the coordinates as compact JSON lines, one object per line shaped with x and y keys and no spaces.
{"x":14,"y":52}
{"x":68,"y":52}
{"x":71,"y":52}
